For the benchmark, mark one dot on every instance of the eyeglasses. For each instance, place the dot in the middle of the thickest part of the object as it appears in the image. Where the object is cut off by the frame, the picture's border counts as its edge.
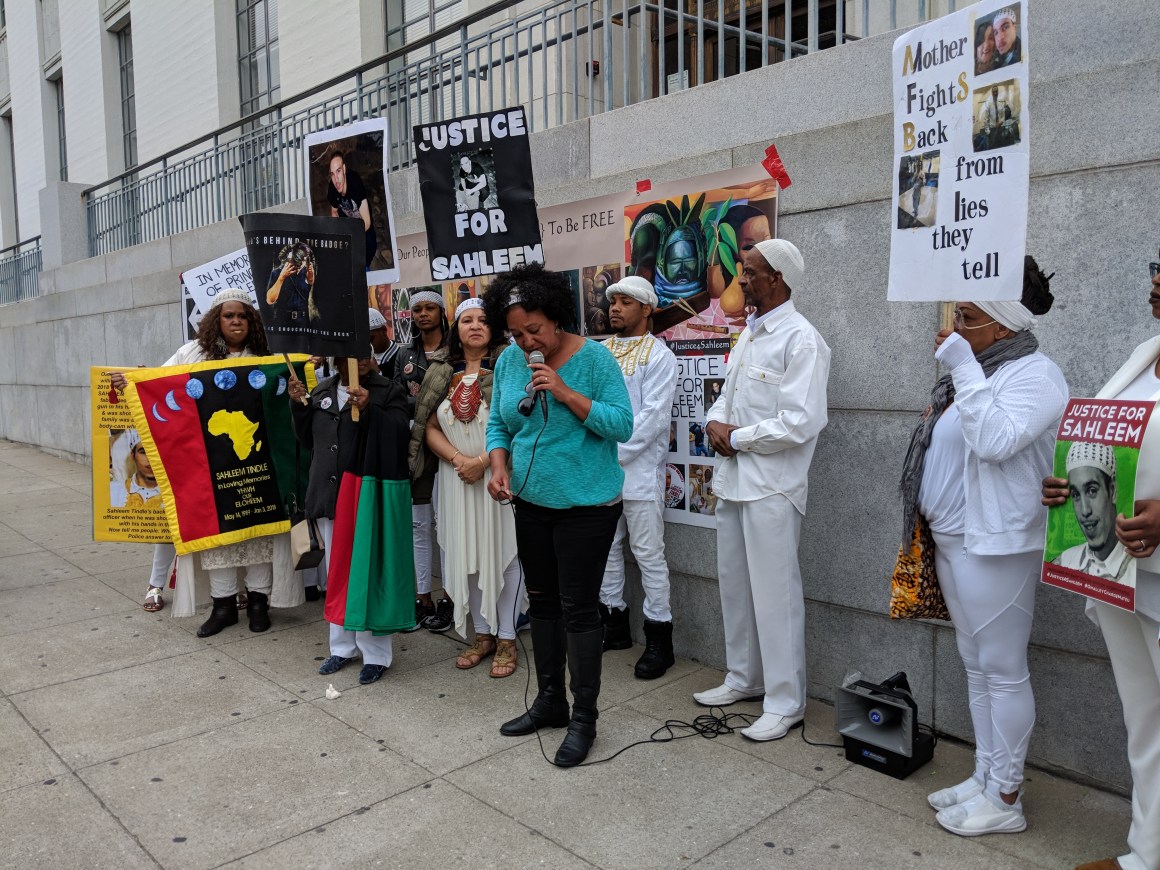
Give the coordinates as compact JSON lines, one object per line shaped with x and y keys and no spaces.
{"x":957,"y":316}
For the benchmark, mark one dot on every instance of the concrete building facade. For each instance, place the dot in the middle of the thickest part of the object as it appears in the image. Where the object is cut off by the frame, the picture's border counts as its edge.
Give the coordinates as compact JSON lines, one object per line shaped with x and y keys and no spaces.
{"x":1095,"y":159}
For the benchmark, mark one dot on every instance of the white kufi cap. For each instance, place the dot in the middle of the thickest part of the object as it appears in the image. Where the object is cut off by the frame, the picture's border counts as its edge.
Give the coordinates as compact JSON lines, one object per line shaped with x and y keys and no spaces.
{"x":377,"y":321}
{"x":634,"y":287}
{"x":1088,"y":454}
{"x":784,"y":257}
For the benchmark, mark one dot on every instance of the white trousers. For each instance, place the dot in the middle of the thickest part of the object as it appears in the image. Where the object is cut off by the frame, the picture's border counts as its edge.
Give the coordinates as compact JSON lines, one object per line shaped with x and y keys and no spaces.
{"x":163,"y":556}
{"x":644,"y":523}
{"x":1135,"y":653}
{"x":345,"y":643}
{"x":991,"y":600}
{"x":761,"y":601}
{"x":223,"y":582}
{"x":505,"y":606}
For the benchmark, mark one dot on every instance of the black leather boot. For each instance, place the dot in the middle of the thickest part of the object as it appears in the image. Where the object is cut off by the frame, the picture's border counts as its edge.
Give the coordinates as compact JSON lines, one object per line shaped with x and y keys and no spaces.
{"x":584,"y":661}
{"x":259,"y":611}
{"x":617,"y":633}
{"x":550,"y":709}
{"x":223,"y":615}
{"x":658,"y":650}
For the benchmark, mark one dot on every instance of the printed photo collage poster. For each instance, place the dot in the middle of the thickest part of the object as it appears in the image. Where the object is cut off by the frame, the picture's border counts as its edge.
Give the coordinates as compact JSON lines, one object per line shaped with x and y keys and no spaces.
{"x":685,"y":236}
{"x":1097,"y":451}
{"x":960,"y":169}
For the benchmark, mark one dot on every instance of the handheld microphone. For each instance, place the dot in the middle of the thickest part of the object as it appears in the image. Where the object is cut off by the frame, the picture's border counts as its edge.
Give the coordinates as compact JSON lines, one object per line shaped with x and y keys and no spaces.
{"x":534,"y":358}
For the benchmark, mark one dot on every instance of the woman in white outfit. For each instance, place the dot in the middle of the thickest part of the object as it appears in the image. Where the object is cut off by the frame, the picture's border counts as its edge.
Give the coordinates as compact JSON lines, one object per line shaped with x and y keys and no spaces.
{"x":231,"y":329}
{"x":478,"y":535}
{"x":972,"y":470}
{"x":1133,"y":639}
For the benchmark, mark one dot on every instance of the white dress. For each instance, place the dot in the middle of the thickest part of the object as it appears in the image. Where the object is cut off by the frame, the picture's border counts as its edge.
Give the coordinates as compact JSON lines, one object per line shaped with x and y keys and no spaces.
{"x":476,"y":533}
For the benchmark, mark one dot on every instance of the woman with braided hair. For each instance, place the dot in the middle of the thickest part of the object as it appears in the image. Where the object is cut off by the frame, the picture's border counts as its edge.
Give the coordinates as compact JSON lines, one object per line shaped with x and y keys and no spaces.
{"x":972,"y":471}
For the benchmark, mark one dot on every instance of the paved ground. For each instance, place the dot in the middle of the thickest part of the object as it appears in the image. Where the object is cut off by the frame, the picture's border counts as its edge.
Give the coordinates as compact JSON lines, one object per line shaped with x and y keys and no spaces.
{"x":128,"y":742}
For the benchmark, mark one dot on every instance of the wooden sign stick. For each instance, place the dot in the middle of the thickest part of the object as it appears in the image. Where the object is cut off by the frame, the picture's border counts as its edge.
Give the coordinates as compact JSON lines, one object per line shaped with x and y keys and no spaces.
{"x":294,"y":375}
{"x":352,"y":378}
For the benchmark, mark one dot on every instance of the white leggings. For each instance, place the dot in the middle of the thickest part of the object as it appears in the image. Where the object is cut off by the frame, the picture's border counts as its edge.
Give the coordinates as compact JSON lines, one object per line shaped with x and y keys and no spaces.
{"x":991,"y":600}
{"x":505,"y":605}
{"x":344,"y":642}
{"x":163,"y":556}
{"x":223,"y":582}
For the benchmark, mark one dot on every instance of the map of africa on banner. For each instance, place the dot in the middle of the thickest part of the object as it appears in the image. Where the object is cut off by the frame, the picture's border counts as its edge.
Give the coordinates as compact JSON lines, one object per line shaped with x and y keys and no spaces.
{"x":221,"y":444}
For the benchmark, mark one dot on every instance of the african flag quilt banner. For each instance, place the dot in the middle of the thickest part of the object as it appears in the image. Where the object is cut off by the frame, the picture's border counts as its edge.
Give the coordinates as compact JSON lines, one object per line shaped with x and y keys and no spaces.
{"x":220,"y":439}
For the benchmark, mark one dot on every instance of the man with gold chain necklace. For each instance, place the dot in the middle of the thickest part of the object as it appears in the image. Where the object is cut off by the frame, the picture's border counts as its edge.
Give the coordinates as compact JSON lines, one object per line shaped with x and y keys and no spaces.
{"x":650,"y":373}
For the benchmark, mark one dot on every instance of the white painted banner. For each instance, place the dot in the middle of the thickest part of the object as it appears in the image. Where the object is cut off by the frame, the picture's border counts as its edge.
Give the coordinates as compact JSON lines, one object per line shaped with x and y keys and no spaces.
{"x":959,"y":216}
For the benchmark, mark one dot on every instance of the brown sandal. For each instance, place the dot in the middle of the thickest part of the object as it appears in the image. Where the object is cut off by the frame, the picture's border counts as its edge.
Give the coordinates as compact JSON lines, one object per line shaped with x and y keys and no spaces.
{"x":481,"y":648}
{"x":153,"y":599}
{"x":503,"y":664}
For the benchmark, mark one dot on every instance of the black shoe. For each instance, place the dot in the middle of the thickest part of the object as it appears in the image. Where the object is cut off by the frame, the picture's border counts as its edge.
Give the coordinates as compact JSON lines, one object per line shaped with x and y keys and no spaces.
{"x":313,"y":593}
{"x":658,"y":650}
{"x":584,"y":661}
{"x":422,"y":611}
{"x":334,"y":664}
{"x":550,"y":709}
{"x":371,"y":674}
{"x":441,"y":619}
{"x":259,"y":611}
{"x":617,"y":634}
{"x":223,"y":615}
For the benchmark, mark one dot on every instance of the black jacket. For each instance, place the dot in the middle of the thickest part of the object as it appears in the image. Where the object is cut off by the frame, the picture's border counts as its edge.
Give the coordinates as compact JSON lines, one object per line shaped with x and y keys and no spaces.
{"x":333,"y":437}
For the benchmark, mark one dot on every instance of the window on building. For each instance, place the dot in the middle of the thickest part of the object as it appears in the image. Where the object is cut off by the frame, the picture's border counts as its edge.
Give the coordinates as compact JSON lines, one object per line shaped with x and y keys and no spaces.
{"x":3,"y":15}
{"x":258,"y":54}
{"x":128,"y":96}
{"x":62,"y":144}
{"x":408,"y":20}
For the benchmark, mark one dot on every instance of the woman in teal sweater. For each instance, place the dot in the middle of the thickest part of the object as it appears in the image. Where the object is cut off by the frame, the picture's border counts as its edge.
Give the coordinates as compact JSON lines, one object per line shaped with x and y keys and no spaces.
{"x":564,"y":482}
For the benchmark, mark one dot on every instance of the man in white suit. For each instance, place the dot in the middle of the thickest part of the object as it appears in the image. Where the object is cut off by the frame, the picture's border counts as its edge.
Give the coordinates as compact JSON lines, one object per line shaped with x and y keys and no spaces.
{"x":766,"y":424}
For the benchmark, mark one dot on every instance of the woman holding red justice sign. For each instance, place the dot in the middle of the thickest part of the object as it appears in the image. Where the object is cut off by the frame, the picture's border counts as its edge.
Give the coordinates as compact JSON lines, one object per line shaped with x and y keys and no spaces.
{"x":1133,"y":639}
{"x":972,"y":471}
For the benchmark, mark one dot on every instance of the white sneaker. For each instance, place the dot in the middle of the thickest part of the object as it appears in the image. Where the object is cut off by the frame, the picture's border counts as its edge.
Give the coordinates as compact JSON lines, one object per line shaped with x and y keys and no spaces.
{"x":723,"y":696}
{"x":956,"y":794}
{"x":979,"y":816}
{"x":771,"y":726}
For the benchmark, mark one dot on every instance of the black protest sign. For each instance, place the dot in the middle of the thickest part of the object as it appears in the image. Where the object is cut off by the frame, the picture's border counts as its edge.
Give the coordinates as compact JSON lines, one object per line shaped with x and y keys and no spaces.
{"x":310,"y":279}
{"x":479,"y":200}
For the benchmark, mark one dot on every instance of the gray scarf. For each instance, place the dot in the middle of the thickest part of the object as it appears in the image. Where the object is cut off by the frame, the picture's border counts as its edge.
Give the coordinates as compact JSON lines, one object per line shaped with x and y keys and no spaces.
{"x":1020,"y":345}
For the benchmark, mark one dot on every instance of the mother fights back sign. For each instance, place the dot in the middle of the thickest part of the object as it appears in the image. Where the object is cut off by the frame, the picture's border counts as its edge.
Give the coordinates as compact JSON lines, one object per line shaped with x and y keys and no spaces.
{"x":959,"y":217}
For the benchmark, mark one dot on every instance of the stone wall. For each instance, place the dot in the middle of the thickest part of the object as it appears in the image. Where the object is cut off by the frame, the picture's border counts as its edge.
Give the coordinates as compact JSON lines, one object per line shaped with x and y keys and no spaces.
{"x":1093,"y":221}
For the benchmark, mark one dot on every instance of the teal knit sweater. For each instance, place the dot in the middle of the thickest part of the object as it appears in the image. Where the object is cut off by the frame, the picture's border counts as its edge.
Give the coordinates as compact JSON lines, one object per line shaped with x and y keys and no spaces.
{"x":576,"y":461}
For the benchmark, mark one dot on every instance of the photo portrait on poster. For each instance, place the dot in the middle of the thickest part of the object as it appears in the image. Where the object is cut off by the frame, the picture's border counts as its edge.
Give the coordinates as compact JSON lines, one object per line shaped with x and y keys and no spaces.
{"x":594,"y":282}
{"x":127,"y":502}
{"x":689,"y":246}
{"x":1097,"y":452}
{"x":961,"y":157}
{"x":479,"y":200}
{"x":346,"y":176}
{"x":310,"y":282}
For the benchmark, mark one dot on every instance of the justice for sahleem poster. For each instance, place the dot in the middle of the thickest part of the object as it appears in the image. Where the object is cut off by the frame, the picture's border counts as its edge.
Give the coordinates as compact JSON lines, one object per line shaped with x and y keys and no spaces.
{"x":127,"y":502}
{"x":1097,"y":451}
{"x":311,"y":283}
{"x":479,"y":199}
{"x":220,"y":440}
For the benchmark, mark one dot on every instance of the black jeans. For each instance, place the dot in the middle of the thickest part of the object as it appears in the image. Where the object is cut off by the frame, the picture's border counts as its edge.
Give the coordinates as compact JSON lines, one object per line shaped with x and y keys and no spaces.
{"x":563,"y":552}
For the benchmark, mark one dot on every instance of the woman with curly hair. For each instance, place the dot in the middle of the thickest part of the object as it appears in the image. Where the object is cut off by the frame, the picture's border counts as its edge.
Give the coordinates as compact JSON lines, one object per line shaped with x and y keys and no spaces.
{"x":478,"y":536}
{"x":559,"y":400}
{"x":230,"y":329}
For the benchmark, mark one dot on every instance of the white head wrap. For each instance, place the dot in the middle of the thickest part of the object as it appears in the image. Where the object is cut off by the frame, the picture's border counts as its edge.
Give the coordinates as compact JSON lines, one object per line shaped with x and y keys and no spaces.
{"x":428,"y":296}
{"x":133,"y":437}
{"x":634,"y":287}
{"x":232,"y":295}
{"x":784,"y":257}
{"x":514,"y":298}
{"x":1088,"y":454}
{"x":1008,"y":13}
{"x":467,"y":304}
{"x":376,"y":319}
{"x":1014,"y":315}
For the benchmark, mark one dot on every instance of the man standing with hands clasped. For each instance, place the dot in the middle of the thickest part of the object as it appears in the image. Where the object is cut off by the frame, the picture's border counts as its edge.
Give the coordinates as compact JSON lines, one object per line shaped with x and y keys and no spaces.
{"x":766,"y":424}
{"x":650,"y":373}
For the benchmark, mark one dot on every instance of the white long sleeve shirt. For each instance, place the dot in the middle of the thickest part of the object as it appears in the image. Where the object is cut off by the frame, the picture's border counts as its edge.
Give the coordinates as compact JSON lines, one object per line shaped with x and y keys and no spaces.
{"x":775,"y":392}
{"x":650,"y":374}
{"x":1009,"y":423}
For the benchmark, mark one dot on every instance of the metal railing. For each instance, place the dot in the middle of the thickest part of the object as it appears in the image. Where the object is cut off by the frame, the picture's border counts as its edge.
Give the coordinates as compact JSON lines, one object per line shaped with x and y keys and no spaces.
{"x":564,"y":61}
{"x":20,"y":271}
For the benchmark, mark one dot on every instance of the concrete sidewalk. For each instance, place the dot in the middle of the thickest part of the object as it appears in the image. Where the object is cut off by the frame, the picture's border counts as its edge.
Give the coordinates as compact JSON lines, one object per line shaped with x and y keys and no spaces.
{"x":128,"y":742}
